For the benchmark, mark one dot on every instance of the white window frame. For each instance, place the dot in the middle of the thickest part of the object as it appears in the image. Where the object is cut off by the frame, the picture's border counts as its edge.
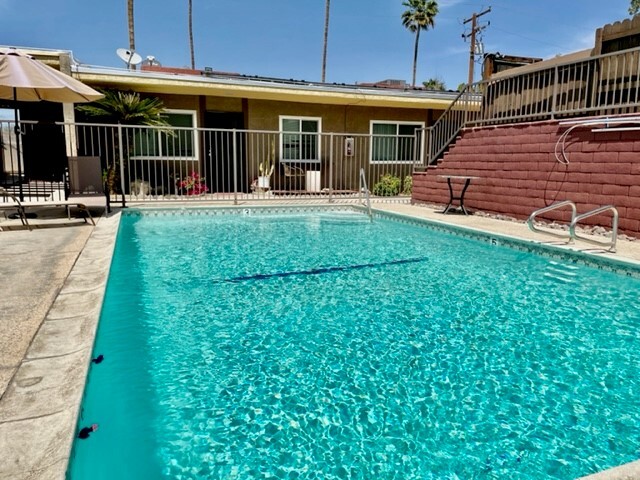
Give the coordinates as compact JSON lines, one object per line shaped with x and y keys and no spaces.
{"x":316,"y":161}
{"x":419,"y":124}
{"x":196,"y":140}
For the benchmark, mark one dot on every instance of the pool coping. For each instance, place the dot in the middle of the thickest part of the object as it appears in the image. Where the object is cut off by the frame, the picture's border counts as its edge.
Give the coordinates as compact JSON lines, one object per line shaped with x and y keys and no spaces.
{"x":45,"y":396}
{"x":42,"y":401}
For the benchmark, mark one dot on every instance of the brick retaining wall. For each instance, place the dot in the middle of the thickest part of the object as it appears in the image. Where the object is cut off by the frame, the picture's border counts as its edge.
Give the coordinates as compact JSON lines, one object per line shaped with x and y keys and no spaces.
{"x":519,"y":172}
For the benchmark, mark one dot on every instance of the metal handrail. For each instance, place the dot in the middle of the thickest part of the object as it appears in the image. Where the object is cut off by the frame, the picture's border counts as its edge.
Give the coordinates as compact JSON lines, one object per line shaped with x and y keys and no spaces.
{"x":363,"y":186}
{"x":614,"y":227}
{"x":554,"y":206}
{"x":462,"y":110}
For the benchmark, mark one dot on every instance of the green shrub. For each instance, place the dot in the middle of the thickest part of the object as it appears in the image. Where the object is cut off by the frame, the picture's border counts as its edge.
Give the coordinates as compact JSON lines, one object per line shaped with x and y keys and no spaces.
{"x":388,"y":186}
{"x":407,"y":186}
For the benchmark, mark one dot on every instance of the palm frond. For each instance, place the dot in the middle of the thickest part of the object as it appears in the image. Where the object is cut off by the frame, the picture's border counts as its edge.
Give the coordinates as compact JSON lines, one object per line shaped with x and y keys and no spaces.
{"x":127,"y":108}
{"x":420,"y":14}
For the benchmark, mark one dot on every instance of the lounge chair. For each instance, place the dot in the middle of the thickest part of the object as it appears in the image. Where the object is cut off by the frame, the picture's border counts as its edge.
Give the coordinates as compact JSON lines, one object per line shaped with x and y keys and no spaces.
{"x":21,"y":207}
{"x":11,"y":202}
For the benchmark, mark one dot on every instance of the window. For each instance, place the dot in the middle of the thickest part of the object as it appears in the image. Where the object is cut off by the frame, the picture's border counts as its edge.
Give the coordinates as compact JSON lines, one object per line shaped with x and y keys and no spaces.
{"x":394,"y":141}
{"x":302,"y":145}
{"x":152,"y":143}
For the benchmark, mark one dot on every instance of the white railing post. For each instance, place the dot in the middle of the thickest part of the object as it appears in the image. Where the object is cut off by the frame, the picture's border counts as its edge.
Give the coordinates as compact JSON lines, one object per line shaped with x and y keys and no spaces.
{"x":121,"y":155}
{"x":417,"y":147}
{"x":235,"y":167}
{"x":330,"y":167}
{"x":429,"y":135}
{"x":554,"y":100}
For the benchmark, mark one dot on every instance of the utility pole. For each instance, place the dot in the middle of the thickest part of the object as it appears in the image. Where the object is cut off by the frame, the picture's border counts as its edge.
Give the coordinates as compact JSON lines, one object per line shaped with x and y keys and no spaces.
{"x":475,"y":29}
{"x":326,"y":38}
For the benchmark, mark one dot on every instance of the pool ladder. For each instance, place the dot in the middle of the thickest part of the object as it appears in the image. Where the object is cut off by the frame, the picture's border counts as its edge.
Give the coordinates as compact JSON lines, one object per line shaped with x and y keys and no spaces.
{"x":364,"y":188}
{"x":575,"y":219}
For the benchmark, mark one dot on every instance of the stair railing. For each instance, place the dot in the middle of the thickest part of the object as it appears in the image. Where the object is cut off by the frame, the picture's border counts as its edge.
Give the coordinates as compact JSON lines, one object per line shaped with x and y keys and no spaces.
{"x":465,"y":108}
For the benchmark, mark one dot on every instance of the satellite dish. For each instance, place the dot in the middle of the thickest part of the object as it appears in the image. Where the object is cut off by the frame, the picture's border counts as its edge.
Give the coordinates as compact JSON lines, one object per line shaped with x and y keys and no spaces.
{"x":129,"y":57}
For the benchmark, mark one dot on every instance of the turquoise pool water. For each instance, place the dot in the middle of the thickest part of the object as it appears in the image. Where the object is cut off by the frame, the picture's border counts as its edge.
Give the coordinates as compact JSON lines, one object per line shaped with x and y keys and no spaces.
{"x":324,"y":346}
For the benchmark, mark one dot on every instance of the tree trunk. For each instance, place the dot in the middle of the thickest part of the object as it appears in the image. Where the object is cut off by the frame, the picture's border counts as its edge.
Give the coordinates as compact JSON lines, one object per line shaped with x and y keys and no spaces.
{"x":415,"y":57}
{"x":193,"y":58}
{"x":132,"y":36}
{"x":326,"y":38}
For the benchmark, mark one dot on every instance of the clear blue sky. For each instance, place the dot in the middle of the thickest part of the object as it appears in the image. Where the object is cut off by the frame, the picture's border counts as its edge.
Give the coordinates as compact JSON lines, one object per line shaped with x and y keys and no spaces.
{"x":283,"y":38}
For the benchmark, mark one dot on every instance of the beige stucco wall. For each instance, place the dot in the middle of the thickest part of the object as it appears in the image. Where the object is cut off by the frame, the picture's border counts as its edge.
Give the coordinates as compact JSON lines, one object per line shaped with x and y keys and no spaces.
{"x":201,"y":104}
{"x":220,"y":104}
{"x":181,"y":102}
{"x":264,"y":115}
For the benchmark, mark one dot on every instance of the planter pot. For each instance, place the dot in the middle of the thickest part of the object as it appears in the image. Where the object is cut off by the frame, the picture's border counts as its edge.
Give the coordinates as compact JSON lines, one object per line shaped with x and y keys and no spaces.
{"x":313,"y":181}
{"x":263,"y":183}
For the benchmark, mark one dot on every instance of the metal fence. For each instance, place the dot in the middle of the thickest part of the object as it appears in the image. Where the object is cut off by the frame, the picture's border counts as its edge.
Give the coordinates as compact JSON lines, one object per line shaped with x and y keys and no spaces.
{"x":152,"y":164}
{"x":31,"y":181}
{"x":599,"y":85}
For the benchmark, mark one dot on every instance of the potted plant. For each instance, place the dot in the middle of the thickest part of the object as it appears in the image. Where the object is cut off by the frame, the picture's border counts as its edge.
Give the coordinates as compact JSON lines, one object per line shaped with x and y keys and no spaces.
{"x":266,"y":168}
{"x":192,"y":184}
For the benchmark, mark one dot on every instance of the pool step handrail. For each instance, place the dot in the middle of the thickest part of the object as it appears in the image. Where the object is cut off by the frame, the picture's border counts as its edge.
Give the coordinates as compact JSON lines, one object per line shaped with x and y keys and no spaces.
{"x":364,"y":188}
{"x":611,"y":244}
{"x":574,"y":211}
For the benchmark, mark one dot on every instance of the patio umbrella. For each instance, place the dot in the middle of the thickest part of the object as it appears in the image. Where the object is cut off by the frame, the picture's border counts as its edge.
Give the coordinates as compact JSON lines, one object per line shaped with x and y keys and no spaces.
{"x":25,"y":79}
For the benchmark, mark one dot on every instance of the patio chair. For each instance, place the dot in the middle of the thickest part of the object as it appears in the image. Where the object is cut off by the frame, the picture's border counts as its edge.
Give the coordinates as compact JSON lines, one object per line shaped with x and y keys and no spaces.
{"x":293,"y":175}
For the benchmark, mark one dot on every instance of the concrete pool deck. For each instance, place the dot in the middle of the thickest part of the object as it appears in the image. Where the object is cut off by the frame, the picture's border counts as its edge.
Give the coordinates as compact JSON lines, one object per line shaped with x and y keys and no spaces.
{"x":53,"y":281}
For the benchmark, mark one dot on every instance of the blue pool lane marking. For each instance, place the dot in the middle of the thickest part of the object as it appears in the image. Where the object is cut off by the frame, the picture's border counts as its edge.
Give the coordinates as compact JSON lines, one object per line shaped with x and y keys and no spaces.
{"x":320,"y":271}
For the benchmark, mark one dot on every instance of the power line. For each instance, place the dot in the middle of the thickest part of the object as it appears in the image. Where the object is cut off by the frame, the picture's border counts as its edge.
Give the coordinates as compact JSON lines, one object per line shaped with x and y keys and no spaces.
{"x":528,"y":38}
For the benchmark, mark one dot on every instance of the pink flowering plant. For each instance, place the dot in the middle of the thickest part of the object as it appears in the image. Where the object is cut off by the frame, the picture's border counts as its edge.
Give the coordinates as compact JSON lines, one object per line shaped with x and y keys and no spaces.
{"x":193,"y":184}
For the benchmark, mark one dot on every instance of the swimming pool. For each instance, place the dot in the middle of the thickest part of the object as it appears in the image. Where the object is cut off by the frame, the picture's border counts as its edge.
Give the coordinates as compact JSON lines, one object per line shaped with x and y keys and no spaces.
{"x":326,"y":346}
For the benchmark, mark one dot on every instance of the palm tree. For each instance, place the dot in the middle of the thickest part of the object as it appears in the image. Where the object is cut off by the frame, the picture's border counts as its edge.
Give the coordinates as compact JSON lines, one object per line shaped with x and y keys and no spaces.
{"x":126,"y":108}
{"x":435,"y":84}
{"x":132,"y":36}
{"x":326,"y":38}
{"x":634,"y":7}
{"x":419,"y":16}
{"x":193,"y":58}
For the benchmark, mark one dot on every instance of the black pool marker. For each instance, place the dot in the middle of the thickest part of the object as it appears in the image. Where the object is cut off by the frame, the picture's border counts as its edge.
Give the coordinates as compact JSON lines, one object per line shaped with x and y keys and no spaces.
{"x":86,"y":431}
{"x":98,"y":359}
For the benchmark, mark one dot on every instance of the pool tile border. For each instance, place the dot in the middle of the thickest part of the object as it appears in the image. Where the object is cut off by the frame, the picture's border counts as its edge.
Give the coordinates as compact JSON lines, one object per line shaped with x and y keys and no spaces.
{"x":239,"y":210}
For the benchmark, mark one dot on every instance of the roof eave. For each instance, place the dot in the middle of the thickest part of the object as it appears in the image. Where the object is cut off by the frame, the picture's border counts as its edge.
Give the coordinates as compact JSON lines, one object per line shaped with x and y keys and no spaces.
{"x":251,"y":89}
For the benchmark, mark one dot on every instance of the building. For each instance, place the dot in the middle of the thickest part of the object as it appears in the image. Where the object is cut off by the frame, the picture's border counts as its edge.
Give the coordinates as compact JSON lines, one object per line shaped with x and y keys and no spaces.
{"x":206,"y":100}
{"x":496,"y":62}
